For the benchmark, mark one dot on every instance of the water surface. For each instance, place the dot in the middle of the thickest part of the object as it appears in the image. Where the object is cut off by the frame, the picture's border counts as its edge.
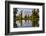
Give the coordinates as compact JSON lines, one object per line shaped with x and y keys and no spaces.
{"x":24,"y":23}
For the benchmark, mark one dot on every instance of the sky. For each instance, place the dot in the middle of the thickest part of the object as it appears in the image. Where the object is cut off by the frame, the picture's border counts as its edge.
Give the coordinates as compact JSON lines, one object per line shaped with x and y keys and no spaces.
{"x":25,"y":11}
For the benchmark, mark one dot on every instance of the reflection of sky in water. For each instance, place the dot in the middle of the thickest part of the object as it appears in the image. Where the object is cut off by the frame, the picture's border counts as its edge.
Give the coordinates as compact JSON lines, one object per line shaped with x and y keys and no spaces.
{"x":24,"y":24}
{"x":25,"y":11}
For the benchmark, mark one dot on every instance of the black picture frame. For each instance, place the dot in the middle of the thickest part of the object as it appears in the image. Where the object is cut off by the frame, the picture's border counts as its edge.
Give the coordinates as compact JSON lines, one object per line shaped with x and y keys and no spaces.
{"x":7,"y":20}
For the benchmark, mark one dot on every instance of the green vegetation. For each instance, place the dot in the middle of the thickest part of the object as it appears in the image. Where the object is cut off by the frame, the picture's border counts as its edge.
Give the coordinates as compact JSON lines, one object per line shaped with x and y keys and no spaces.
{"x":34,"y":18}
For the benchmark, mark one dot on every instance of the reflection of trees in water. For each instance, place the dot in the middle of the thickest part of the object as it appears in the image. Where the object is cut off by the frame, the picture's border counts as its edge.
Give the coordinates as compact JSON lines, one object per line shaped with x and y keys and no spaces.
{"x":24,"y":24}
{"x":15,"y":12}
{"x":34,"y":18}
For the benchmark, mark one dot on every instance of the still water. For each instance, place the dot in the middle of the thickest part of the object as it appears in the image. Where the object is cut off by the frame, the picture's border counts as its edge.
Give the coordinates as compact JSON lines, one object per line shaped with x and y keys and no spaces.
{"x":24,"y":23}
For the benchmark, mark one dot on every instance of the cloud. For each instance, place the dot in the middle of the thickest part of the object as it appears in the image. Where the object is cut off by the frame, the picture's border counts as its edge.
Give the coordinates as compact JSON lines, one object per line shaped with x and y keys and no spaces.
{"x":25,"y":11}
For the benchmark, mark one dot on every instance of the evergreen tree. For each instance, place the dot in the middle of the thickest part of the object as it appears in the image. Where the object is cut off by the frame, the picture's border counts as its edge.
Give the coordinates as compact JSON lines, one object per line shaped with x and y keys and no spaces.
{"x":15,"y":12}
{"x":35,"y":18}
{"x":21,"y":17}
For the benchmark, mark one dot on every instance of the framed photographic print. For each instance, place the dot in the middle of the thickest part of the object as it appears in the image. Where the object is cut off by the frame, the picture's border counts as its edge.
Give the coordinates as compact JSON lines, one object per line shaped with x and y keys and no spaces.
{"x":24,"y":17}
